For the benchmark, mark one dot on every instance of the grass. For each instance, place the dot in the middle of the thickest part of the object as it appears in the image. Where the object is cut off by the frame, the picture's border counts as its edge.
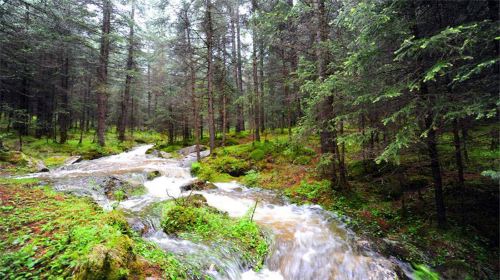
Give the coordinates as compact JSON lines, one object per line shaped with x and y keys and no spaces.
{"x":45,"y":234}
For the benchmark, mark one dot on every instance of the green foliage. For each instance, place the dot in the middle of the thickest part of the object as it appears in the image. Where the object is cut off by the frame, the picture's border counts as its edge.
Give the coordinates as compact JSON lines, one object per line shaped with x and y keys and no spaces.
{"x":199,"y":222}
{"x":153,"y":174}
{"x":257,"y":155}
{"x":423,"y":272}
{"x":195,"y":168}
{"x":43,"y":237}
{"x":230,"y":165}
{"x":312,"y":192}
{"x":495,"y":175}
{"x":251,"y":178}
{"x":302,"y":160}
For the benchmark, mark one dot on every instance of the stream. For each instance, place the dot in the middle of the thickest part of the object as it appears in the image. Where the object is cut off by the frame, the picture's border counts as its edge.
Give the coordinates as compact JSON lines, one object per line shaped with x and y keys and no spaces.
{"x":307,"y":241}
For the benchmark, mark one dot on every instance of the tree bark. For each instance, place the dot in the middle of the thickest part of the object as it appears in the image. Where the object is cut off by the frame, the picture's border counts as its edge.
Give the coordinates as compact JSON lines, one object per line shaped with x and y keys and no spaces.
{"x":211,"y":120}
{"x":239,"y":108}
{"x":102,"y":75}
{"x":64,"y":114}
{"x":128,"y":79}
{"x":256,"y":107}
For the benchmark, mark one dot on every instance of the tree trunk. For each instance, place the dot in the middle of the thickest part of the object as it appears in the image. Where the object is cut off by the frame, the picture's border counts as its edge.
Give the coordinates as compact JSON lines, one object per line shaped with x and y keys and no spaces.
{"x":128,"y":79}
{"x":211,"y":120}
{"x":102,"y":75}
{"x":256,"y":107}
{"x":436,"y":170}
{"x":239,"y":108}
{"x":64,"y":113}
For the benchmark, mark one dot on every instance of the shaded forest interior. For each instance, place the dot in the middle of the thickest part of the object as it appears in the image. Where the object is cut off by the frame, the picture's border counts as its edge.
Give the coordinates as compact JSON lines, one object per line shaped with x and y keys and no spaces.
{"x":398,"y":100}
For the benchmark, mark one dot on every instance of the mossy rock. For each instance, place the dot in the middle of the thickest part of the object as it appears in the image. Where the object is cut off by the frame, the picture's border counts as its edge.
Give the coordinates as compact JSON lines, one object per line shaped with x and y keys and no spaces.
{"x":107,"y":263}
{"x":14,"y":157}
{"x":231,"y":165}
{"x":198,"y":185}
{"x":153,"y":174}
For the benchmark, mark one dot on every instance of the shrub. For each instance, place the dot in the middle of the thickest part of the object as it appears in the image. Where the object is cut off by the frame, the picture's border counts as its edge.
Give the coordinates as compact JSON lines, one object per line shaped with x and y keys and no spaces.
{"x":180,"y":218}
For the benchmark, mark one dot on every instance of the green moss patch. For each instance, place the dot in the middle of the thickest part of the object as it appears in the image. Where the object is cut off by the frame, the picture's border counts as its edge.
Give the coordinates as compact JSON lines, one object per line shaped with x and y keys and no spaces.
{"x":192,"y":219}
{"x":44,"y":235}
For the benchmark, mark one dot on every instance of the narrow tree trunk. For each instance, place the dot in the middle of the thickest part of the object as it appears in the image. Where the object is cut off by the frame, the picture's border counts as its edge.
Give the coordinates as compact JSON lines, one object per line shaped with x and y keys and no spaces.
{"x":211,"y":120}
{"x":436,"y":171}
{"x":239,"y":108}
{"x":102,"y":76}
{"x":234,"y":64}
{"x":256,"y":107}
{"x":64,"y":113}
{"x":128,"y":79}
{"x":460,"y":166}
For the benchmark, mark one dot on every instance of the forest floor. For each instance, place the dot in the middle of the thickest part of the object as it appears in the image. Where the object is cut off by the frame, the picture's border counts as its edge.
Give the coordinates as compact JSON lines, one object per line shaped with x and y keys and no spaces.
{"x":400,"y":223}
{"x":396,"y":213}
{"x":41,"y":237}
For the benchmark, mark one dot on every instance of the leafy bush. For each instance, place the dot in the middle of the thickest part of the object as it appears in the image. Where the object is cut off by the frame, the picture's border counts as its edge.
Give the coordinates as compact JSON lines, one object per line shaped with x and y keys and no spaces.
{"x":179,"y":218}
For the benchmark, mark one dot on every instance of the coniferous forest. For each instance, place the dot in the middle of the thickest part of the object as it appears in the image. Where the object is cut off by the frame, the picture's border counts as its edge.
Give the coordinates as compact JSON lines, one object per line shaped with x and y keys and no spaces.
{"x":235,"y":139}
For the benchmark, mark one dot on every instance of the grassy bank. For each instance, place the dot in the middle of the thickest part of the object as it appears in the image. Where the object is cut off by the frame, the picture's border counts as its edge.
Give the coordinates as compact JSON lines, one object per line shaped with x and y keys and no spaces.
{"x":45,"y":234}
{"x":396,"y":213}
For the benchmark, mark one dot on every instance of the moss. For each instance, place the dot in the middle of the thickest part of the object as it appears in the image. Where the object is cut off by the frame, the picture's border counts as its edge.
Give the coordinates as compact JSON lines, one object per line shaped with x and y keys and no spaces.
{"x":54,"y":161}
{"x":257,"y":155}
{"x":192,"y":219}
{"x":153,"y":174}
{"x":52,"y":235}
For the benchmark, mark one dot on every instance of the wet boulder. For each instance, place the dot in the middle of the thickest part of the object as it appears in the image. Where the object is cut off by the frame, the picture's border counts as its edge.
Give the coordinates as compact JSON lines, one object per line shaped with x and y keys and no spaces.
{"x":152,"y":151}
{"x":198,"y":185}
{"x":165,"y":155}
{"x":153,"y":174}
{"x":40,"y":167}
{"x":72,"y":160}
{"x":191,"y":149}
{"x":115,"y":188}
{"x":197,"y":200}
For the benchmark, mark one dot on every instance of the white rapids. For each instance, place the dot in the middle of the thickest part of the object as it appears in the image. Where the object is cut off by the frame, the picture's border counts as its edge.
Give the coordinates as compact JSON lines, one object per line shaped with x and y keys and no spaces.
{"x":307,"y":241}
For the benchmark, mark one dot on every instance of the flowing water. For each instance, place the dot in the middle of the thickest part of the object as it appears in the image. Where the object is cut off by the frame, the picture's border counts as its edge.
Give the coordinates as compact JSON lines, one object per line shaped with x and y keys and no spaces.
{"x":307,"y":241}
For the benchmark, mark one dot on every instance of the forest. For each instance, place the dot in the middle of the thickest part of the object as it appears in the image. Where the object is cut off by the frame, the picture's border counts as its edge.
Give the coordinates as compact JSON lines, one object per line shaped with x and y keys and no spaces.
{"x":249,"y":139}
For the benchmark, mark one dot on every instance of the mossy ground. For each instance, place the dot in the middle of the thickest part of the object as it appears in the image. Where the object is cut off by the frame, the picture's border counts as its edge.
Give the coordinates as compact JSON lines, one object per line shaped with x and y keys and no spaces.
{"x":193,"y":220}
{"x":45,"y":234}
{"x":374,"y":200}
